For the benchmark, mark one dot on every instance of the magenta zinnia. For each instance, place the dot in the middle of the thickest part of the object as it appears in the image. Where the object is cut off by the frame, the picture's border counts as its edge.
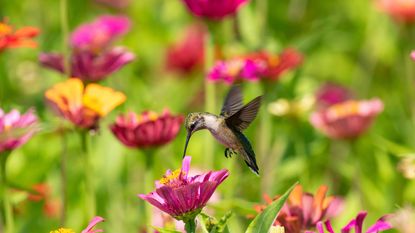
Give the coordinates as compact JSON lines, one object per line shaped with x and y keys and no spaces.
{"x":183,"y":196}
{"x":356,"y":224}
{"x":214,"y":9}
{"x":16,"y":129}
{"x":146,"y":130}
{"x":347,"y":120}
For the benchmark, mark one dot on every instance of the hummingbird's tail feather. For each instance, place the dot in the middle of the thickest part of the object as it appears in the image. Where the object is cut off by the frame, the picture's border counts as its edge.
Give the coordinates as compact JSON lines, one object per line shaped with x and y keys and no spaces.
{"x":251,"y":162}
{"x":247,"y":152}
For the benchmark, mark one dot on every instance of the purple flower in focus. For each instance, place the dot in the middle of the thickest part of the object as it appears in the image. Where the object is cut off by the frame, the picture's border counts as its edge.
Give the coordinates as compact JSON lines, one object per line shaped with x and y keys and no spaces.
{"x":181,"y":195}
{"x":92,"y":224}
{"x":16,"y":129}
{"x":356,"y":224}
{"x":99,"y":34}
{"x":214,"y":9}
{"x":88,"y":66}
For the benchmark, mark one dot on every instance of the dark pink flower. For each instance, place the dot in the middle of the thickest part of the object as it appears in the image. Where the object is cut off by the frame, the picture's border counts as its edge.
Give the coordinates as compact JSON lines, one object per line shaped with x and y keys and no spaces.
{"x":99,"y":34}
{"x":348,"y":119}
{"x":146,"y":130}
{"x":235,"y":69}
{"x":89,"y":66}
{"x":356,"y":224}
{"x":183,"y":196}
{"x":16,"y":129}
{"x":214,"y":9}
{"x":92,"y":224}
{"x":303,"y":211}
{"x":400,"y":10}
{"x":188,"y":54}
{"x":330,"y":94}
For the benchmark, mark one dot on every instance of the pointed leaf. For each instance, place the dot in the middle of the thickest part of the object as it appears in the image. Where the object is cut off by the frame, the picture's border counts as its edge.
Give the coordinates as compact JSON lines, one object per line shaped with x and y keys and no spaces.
{"x":263,"y":221}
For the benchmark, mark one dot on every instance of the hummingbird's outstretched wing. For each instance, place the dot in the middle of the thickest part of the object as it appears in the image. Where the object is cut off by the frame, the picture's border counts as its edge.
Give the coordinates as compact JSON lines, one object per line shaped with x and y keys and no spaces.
{"x":241,"y":119}
{"x":233,"y":102}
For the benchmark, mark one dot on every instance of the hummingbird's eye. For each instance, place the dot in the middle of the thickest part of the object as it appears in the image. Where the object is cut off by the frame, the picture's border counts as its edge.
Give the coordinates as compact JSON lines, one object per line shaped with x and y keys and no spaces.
{"x":192,"y":126}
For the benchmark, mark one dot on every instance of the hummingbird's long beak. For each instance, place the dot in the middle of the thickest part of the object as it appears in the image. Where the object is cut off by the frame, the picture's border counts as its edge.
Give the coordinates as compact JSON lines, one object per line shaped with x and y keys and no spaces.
{"x":189,"y":134}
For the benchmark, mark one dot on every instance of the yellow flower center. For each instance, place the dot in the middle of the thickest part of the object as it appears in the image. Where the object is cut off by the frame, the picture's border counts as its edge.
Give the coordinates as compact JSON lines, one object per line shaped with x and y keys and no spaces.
{"x":170,"y":178}
{"x":234,"y":67}
{"x":5,"y":29}
{"x":273,"y":61}
{"x":344,"y":109}
{"x":151,"y":116}
{"x":62,"y":230}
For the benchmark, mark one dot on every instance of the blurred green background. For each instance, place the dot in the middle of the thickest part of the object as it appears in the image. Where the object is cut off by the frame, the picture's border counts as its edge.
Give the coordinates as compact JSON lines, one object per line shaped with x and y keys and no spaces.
{"x":348,"y":42}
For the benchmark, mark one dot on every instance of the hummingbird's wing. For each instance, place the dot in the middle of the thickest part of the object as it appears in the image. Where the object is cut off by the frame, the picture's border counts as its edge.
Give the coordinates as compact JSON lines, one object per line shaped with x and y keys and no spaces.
{"x":233,"y":102}
{"x":242,"y":118}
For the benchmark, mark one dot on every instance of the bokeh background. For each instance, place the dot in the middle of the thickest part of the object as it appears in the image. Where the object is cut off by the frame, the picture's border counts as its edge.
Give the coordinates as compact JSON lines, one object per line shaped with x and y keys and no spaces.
{"x":352,"y":43}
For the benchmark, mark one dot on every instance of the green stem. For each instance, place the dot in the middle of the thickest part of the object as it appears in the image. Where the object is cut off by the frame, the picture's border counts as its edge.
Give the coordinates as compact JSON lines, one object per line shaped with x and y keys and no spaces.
{"x":190,"y":226}
{"x":209,"y":98}
{"x":262,"y":14}
{"x":7,"y":205}
{"x":90,"y":204}
{"x":65,"y":36}
{"x":148,"y":186}
{"x":64,"y":180}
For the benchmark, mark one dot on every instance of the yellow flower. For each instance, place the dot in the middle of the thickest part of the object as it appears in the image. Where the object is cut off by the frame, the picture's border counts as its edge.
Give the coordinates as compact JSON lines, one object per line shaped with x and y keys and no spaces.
{"x":83,"y":106}
{"x":63,"y":230}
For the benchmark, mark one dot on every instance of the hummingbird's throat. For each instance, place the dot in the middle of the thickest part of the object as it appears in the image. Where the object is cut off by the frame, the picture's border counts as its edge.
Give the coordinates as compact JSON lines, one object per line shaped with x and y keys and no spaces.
{"x":174,"y":179}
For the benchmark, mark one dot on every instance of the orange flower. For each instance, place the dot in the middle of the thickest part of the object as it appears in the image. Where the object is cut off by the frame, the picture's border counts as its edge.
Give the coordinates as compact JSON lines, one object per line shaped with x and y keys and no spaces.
{"x":83,"y":106}
{"x":18,"y":38}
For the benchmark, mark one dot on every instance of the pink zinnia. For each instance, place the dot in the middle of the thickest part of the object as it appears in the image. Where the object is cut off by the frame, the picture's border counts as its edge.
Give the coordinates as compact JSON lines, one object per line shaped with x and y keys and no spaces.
{"x":235,"y":69}
{"x":330,"y":94}
{"x":356,"y":224}
{"x":184,"y":196}
{"x":16,"y":129}
{"x":347,"y":120}
{"x":146,"y":130}
{"x":99,"y":34}
{"x":400,"y":10}
{"x":92,"y":224}
{"x":187,"y":54}
{"x":214,"y":9}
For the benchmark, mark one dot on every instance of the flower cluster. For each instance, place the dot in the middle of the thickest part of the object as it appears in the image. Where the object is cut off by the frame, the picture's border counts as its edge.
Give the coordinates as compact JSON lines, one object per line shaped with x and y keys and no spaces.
{"x":146,"y":130}
{"x":93,"y":56}
{"x":255,"y":67}
{"x":181,"y":195}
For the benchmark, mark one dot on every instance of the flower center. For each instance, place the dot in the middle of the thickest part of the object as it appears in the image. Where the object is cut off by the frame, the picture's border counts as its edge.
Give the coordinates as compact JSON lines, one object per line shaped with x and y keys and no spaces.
{"x":171,"y":178}
{"x":344,"y":109}
{"x":63,"y":230}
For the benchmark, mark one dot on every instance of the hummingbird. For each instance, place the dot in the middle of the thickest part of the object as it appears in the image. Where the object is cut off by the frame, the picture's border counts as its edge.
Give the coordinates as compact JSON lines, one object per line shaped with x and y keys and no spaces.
{"x":227,"y":127}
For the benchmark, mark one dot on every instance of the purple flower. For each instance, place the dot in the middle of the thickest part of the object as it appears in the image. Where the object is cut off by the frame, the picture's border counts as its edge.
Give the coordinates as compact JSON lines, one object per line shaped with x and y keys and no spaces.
{"x":16,"y":129}
{"x":330,"y":94}
{"x":234,"y":69}
{"x":214,"y":9}
{"x":99,"y":34}
{"x":183,"y":196}
{"x":357,"y":225}
{"x":92,"y":224}
{"x":88,"y":66}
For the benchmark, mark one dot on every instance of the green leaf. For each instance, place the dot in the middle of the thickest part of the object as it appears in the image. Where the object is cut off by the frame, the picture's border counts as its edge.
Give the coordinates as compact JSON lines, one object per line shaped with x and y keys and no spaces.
{"x":263,"y":221}
{"x":163,"y":230}
{"x":212,"y":225}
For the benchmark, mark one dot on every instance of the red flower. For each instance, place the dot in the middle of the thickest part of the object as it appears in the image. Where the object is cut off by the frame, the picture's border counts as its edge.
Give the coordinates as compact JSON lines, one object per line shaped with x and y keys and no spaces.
{"x":187,"y":54}
{"x":146,"y":130}
{"x":400,"y":10}
{"x":18,"y":38}
{"x":214,"y":9}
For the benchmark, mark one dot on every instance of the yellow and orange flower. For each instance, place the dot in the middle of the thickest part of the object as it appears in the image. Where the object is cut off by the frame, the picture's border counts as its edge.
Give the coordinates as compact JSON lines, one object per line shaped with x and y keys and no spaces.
{"x":10,"y":38}
{"x":83,"y":105}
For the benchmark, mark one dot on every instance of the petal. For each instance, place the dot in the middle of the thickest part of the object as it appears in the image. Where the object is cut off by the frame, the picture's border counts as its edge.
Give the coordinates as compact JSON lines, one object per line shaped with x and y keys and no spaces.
{"x":380,"y":225}
{"x":186,"y":165}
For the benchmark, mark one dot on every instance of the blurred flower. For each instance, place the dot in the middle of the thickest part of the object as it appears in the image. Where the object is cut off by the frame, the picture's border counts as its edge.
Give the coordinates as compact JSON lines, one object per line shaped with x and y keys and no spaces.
{"x":92,"y":224}
{"x":407,"y":167}
{"x":41,"y":193}
{"x":119,"y":4}
{"x":277,"y":229}
{"x":163,"y":220}
{"x":214,"y":9}
{"x":357,"y":224}
{"x":22,"y":37}
{"x":348,"y":119}
{"x":183,"y":196}
{"x":63,"y":230}
{"x":294,"y":108}
{"x":302,"y":211}
{"x":147,"y":129}
{"x":400,"y":10}
{"x":330,"y":94}
{"x":83,"y":106}
{"x":99,"y":34}
{"x":403,"y":220}
{"x":188,"y":54}
{"x":255,"y":66}
{"x":88,"y":66}
{"x":16,"y":129}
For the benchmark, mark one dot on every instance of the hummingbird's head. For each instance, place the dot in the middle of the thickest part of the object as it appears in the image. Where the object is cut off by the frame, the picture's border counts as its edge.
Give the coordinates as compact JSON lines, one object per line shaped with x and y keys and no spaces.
{"x":194,"y":122}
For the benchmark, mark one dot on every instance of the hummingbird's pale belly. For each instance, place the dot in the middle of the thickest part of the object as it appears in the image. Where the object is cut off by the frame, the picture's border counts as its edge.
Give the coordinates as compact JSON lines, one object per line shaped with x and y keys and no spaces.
{"x":226,"y":137}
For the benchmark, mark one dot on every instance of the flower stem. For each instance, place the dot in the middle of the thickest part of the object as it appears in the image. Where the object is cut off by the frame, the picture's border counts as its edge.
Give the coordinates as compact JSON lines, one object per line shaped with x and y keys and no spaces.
{"x":88,"y":172}
{"x":190,"y":226}
{"x":148,"y":185}
{"x":64,"y":181}
{"x":65,"y":35}
{"x":7,"y":205}
{"x":209,"y":97}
